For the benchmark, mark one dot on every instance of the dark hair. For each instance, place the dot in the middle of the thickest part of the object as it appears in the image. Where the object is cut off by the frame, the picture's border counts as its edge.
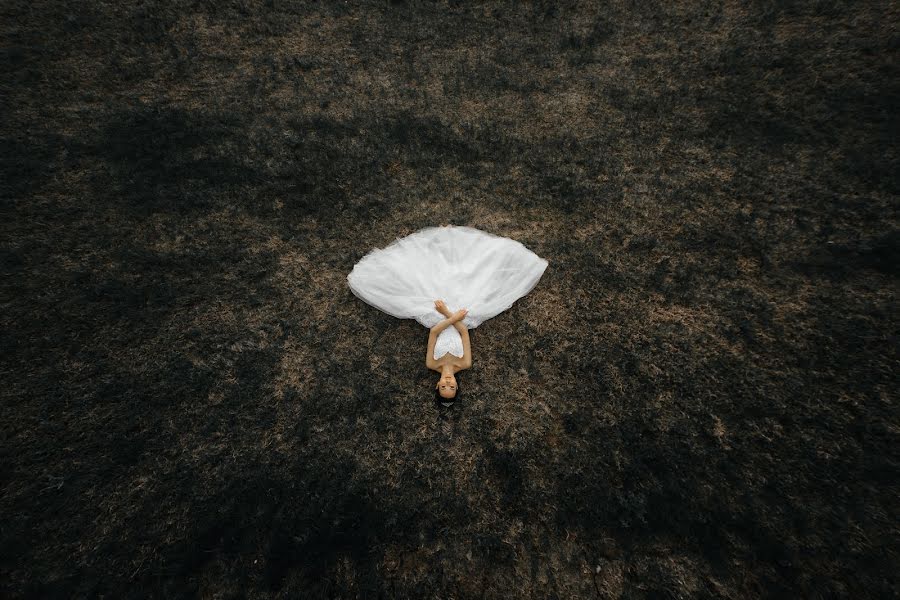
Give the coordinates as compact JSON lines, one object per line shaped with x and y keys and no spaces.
{"x":439,"y":398}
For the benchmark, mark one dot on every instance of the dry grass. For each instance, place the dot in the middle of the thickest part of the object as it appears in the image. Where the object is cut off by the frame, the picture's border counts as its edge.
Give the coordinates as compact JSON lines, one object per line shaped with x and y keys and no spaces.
{"x":697,"y":399}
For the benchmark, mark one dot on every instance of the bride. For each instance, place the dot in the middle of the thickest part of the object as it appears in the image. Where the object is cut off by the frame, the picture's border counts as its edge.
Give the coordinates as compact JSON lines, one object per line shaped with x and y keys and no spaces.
{"x":430,"y":275}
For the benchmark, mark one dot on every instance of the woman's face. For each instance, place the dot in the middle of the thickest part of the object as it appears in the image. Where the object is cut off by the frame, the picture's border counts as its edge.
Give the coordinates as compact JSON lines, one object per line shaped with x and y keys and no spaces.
{"x":447,"y":386}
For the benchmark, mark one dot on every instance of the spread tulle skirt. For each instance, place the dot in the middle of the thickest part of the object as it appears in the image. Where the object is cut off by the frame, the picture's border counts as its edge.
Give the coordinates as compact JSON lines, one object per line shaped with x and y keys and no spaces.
{"x":465,"y":267}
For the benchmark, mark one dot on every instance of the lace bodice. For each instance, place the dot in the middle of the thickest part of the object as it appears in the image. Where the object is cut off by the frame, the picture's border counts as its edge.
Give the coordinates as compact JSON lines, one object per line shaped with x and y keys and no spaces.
{"x":450,"y":341}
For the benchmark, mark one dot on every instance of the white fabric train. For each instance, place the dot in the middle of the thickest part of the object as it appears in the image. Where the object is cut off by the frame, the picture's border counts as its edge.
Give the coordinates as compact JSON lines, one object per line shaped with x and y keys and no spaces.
{"x":464,"y":266}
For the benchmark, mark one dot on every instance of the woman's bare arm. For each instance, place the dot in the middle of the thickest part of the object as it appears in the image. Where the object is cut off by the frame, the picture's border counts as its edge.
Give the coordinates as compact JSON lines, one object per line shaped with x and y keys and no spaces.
{"x":429,"y":353}
{"x":437,"y":329}
{"x":467,"y":346}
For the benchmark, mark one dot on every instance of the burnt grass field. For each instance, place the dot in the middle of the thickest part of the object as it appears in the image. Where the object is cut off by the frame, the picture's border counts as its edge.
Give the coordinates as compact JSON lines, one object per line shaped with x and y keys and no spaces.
{"x":697,"y":400}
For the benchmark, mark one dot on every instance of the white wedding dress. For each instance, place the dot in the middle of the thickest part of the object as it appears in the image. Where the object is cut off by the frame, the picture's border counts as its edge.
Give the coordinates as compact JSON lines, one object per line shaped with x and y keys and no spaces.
{"x":464,"y":267}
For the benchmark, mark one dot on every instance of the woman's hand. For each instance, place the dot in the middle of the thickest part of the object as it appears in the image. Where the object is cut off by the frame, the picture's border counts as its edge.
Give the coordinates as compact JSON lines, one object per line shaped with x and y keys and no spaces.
{"x":454,"y":317}
{"x":459,"y":315}
{"x":442,"y":308}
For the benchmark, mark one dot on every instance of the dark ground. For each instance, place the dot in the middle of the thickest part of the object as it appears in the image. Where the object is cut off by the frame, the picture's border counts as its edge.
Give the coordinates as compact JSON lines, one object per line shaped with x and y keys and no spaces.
{"x":696,"y":400}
